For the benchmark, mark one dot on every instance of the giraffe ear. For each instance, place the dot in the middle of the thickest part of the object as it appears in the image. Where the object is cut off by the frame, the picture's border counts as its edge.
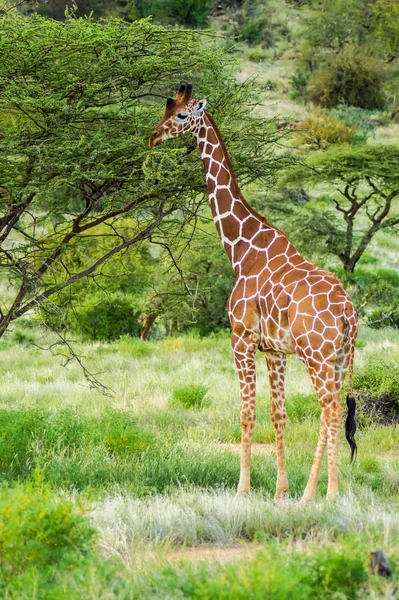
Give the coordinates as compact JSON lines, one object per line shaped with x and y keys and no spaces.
{"x":199,"y":108}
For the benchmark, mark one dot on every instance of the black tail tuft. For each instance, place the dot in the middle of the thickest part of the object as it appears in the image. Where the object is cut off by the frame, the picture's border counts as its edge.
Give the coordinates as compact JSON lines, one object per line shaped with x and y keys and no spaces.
{"x":350,"y":426}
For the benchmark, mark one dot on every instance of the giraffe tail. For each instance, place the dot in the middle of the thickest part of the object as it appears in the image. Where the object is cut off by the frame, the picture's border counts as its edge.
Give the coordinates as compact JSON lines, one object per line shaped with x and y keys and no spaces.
{"x":350,"y":426}
{"x":350,"y":423}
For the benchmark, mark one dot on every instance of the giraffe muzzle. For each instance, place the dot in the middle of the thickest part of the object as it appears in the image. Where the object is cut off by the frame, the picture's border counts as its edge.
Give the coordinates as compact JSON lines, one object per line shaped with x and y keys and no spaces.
{"x":155,"y":139}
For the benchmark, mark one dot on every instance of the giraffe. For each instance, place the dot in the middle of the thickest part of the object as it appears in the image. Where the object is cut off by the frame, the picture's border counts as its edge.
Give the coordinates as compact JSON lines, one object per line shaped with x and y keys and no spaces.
{"x":281,"y":304}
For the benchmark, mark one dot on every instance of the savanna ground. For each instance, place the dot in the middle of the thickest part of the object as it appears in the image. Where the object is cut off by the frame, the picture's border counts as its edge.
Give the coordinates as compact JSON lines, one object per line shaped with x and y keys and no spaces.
{"x":133,"y":495}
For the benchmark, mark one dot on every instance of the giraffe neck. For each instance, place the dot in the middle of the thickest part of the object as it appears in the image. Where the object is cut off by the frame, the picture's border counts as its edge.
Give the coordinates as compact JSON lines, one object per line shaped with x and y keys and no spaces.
{"x":235,"y":220}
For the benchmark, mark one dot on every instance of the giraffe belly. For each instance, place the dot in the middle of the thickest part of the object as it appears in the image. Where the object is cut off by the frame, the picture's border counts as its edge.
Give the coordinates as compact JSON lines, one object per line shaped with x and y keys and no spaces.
{"x":274,"y":327}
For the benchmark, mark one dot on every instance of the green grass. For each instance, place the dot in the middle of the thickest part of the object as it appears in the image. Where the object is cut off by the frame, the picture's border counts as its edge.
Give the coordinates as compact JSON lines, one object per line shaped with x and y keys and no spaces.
{"x":156,"y":475}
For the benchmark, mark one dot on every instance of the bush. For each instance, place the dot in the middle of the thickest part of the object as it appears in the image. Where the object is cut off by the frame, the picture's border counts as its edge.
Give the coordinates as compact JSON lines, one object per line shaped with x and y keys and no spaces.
{"x":318,"y":131}
{"x":256,"y":55}
{"x":378,"y":387}
{"x":39,"y":531}
{"x":298,"y":83}
{"x":375,"y":294}
{"x":188,"y":396}
{"x":363,"y":121}
{"x":107,"y":317}
{"x":190,"y":13}
{"x":121,"y":435}
{"x":354,"y":79}
{"x":388,"y":316}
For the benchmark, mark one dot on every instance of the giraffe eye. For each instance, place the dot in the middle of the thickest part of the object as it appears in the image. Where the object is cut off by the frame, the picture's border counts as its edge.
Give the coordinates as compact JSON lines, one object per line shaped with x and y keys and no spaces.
{"x":182,"y":116}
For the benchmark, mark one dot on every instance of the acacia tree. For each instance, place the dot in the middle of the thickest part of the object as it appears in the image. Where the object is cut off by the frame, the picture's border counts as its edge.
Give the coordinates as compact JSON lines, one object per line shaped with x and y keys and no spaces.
{"x":78,"y":100}
{"x":366,"y":199}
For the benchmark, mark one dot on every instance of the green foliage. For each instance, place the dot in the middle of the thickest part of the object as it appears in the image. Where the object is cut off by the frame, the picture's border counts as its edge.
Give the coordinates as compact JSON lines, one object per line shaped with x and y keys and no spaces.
{"x":320,"y":575}
{"x":189,"y":396}
{"x":351,"y":78}
{"x":253,"y":24}
{"x":366,"y":182}
{"x":107,"y":316}
{"x":375,"y":293}
{"x":39,"y":532}
{"x":333,"y":24}
{"x":342,"y":164}
{"x":359,"y":119}
{"x":302,"y":407}
{"x":319,"y":130}
{"x":74,"y":152}
{"x":386,"y":15}
{"x":256,"y":55}
{"x":378,"y":385}
{"x":122,"y":436}
{"x":298,"y":83}
{"x":190,"y":13}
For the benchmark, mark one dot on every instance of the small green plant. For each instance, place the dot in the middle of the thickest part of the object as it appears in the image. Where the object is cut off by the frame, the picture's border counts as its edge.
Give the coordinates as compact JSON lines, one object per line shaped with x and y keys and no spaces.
{"x":188,"y":396}
{"x":298,"y":84}
{"x":257,"y":54}
{"x":121,"y":434}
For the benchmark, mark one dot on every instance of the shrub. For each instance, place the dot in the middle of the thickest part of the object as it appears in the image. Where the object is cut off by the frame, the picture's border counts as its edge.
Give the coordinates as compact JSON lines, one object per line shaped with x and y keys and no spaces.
{"x":107,"y":317}
{"x":360,"y":119}
{"x":254,"y":31}
{"x":318,"y":131}
{"x":121,"y":435}
{"x":256,"y":54}
{"x":188,"y":396}
{"x":354,"y":79}
{"x":388,"y":316}
{"x":378,"y":387}
{"x":298,"y":83}
{"x":191,"y":13}
{"x":39,"y":531}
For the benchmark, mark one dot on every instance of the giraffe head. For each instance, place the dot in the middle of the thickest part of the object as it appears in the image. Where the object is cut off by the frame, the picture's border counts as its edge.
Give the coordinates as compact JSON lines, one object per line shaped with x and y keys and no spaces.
{"x":182,"y":115}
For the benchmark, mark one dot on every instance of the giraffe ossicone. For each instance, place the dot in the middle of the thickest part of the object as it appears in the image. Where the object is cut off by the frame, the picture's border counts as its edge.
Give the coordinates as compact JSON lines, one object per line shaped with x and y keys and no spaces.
{"x":281,"y":304}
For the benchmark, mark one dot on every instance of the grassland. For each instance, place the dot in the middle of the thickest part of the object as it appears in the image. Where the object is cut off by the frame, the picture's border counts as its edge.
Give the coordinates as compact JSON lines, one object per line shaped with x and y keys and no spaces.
{"x":154,"y":481}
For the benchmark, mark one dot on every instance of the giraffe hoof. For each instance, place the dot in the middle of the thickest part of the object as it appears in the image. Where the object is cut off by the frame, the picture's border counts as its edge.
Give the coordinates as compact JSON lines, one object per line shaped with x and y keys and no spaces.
{"x":306,"y":498}
{"x":333,"y":494}
{"x":281,"y":495}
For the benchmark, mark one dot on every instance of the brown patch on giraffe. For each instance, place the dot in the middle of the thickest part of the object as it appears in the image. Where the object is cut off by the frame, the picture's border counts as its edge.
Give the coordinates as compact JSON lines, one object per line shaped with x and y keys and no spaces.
{"x":240,"y":210}
{"x":231,"y":228}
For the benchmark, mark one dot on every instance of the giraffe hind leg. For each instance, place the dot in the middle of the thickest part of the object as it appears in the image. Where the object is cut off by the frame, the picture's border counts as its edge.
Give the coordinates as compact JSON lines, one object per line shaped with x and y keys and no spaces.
{"x":323,"y":379}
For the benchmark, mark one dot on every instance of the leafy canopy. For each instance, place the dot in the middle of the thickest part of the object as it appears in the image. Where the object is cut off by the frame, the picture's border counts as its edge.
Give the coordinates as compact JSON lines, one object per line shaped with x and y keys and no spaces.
{"x":78,"y":100}
{"x":366,"y":183}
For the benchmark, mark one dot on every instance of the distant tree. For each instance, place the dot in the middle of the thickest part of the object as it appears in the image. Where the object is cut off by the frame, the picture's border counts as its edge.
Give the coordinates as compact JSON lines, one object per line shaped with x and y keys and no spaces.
{"x":386,"y":14}
{"x":366,"y":180}
{"x":78,"y":100}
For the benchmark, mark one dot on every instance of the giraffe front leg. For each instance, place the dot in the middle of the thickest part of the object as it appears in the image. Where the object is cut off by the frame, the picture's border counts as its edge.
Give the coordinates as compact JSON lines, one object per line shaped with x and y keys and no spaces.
{"x":244,"y":349}
{"x":276,"y":362}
